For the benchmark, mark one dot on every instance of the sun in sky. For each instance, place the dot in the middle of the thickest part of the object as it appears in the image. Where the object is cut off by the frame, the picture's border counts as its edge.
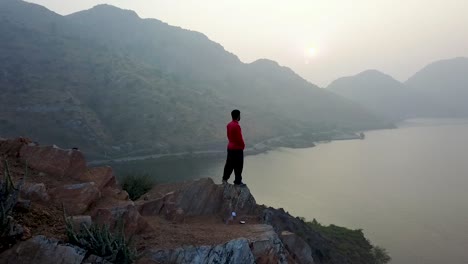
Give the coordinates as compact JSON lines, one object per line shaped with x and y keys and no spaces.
{"x":311,"y":52}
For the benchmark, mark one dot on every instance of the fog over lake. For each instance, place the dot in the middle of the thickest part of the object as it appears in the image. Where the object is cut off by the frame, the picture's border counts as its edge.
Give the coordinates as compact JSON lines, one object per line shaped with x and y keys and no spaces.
{"x":406,"y":187}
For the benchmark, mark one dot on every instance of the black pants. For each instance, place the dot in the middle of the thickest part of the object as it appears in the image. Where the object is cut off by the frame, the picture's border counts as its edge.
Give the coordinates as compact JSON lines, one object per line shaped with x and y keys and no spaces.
{"x":234,"y":162}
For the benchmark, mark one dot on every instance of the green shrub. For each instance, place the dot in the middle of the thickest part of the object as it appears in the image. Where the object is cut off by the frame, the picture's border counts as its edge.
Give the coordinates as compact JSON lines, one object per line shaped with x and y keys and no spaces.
{"x":350,"y":243}
{"x":137,"y":184}
{"x":100,"y":241}
{"x":380,"y":255}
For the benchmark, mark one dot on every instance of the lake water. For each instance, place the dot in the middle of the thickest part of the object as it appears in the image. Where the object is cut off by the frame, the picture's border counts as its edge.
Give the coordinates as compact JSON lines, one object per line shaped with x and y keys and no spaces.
{"x":407,"y":188}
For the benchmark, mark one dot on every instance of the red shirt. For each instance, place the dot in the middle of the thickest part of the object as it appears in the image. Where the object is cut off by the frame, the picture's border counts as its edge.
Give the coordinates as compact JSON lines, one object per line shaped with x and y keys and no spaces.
{"x":234,"y":134}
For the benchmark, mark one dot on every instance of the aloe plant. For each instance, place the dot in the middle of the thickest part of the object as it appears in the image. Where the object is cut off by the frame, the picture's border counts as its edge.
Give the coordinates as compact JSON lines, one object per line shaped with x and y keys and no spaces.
{"x":101,"y":241}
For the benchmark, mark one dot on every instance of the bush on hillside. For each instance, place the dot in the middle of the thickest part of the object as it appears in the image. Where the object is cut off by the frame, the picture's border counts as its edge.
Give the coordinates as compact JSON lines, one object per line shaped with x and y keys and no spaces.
{"x":351,"y":243}
{"x":381,"y":256}
{"x":137,"y":184}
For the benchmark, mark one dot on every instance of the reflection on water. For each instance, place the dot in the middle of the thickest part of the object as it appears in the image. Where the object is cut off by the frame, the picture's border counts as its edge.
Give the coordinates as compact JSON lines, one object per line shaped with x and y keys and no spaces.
{"x":405,"y":187}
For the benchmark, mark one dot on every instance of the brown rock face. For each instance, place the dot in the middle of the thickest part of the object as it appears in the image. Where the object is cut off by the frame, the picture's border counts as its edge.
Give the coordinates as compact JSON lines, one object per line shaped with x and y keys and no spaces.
{"x":41,"y":250}
{"x":76,"y":198}
{"x":54,"y":161}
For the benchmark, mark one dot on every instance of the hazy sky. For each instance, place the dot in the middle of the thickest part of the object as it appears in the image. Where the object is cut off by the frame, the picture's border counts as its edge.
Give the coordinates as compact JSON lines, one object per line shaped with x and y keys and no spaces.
{"x":347,"y":36}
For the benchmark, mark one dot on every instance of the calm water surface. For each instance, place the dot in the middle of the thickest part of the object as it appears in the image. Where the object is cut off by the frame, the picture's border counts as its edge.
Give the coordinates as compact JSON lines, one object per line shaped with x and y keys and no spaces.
{"x":407,"y":187}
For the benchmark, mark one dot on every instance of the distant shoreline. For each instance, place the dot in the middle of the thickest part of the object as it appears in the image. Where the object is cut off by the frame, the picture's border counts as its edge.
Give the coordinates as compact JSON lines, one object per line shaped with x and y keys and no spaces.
{"x":298,"y":140}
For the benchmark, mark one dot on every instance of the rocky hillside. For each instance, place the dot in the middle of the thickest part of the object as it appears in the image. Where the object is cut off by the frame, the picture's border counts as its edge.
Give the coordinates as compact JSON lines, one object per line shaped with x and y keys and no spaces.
{"x":186,"y":222}
{"x":118,"y":85}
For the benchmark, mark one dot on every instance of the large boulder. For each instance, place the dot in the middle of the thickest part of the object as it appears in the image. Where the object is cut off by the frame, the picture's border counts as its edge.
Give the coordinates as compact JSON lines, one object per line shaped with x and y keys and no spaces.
{"x":234,"y":251}
{"x":197,"y":197}
{"x":42,"y":250}
{"x":76,"y":198}
{"x":54,"y":161}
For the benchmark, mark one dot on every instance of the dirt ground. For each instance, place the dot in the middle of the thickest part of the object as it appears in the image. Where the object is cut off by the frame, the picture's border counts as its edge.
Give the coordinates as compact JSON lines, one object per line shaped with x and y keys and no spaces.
{"x":196,"y":231}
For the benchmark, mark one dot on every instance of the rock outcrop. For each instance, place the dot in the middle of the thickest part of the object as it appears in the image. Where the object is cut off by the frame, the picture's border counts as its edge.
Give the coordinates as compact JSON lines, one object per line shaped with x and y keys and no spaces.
{"x":42,"y":250}
{"x":197,"y":197}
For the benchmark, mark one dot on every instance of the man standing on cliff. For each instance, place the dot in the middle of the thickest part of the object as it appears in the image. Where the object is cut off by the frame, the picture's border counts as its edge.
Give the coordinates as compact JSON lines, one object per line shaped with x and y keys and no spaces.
{"x":235,"y":150}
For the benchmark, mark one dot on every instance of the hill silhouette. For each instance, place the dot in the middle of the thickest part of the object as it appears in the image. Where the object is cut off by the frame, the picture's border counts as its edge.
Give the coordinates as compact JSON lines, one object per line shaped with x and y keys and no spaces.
{"x":438,"y":90}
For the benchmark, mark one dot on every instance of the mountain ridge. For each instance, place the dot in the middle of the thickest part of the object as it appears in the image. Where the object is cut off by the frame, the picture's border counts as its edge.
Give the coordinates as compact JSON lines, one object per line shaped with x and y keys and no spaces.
{"x":140,"y":85}
{"x":437,"y":90}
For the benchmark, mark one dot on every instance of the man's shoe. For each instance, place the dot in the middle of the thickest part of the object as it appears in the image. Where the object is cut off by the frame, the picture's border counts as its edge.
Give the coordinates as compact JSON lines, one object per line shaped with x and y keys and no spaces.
{"x":240,"y":184}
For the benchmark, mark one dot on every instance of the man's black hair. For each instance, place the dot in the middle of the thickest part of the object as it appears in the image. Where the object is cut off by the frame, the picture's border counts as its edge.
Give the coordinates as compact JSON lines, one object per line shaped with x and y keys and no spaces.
{"x":235,"y":114}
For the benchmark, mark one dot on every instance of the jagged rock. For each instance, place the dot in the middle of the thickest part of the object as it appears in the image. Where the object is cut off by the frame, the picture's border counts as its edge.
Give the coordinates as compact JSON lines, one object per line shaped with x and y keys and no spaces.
{"x":102,"y":176}
{"x":76,"y":198}
{"x":298,"y":249}
{"x":54,"y":161}
{"x":133,"y":222}
{"x":234,"y":251}
{"x":211,"y":199}
{"x":35,"y":192}
{"x":42,"y":250}
{"x":79,"y":220}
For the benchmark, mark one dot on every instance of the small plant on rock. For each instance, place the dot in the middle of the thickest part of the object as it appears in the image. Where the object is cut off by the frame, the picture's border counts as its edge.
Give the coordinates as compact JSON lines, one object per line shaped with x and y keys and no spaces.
{"x":137,"y":184}
{"x":100,"y":241}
